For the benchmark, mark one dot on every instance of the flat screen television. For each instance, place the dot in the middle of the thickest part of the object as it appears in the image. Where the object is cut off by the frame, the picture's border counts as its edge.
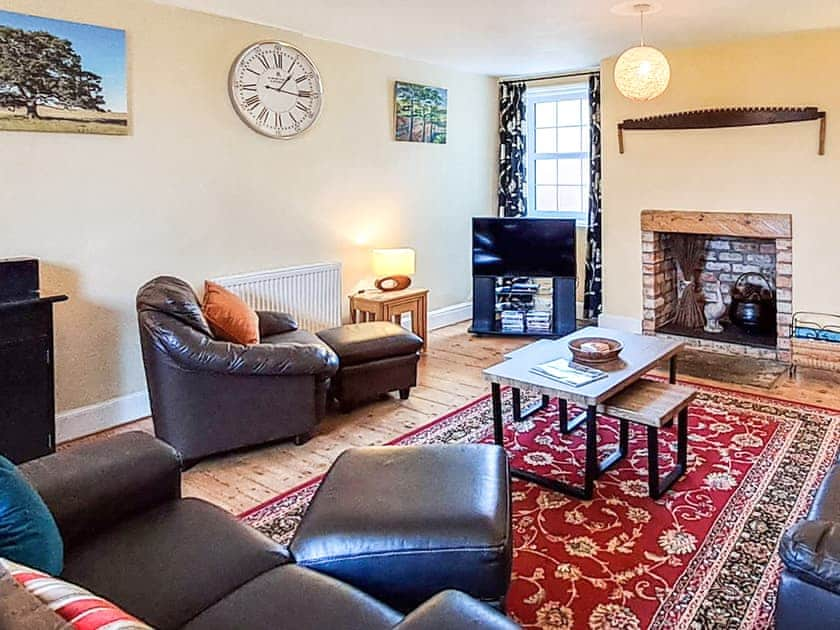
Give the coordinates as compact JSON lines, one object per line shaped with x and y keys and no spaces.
{"x":523,"y":247}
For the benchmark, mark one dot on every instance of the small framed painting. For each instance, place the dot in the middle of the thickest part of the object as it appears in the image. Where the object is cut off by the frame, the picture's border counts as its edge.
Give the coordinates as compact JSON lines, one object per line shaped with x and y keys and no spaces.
{"x":420,"y":113}
{"x":61,"y":76}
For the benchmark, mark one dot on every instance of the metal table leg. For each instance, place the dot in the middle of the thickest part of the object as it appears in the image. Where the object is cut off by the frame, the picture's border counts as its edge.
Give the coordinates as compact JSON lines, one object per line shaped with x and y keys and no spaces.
{"x":498,"y":430}
{"x":518,"y":413}
{"x":618,"y":455}
{"x":672,"y":378}
{"x":567,"y":426}
{"x":590,"y":469}
{"x":656,"y":486}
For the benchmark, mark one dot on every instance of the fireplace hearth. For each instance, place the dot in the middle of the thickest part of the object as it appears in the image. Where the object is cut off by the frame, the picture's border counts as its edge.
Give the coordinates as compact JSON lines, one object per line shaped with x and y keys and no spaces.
{"x":739,"y":249}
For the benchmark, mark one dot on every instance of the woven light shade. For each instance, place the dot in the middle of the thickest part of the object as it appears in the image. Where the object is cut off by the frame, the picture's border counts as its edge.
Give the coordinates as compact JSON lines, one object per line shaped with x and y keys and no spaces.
{"x":642,"y":73}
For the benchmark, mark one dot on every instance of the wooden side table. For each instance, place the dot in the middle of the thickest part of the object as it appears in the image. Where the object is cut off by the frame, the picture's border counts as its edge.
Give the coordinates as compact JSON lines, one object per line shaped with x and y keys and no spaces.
{"x":388,"y":306}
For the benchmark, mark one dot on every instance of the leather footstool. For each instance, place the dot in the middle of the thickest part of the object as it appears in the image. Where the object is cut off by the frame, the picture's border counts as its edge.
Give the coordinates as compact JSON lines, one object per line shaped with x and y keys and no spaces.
{"x":374,"y":358}
{"x":405,"y":522}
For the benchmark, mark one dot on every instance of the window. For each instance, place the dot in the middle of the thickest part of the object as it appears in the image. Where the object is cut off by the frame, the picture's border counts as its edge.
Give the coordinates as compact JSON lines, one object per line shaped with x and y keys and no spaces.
{"x":558,"y":152}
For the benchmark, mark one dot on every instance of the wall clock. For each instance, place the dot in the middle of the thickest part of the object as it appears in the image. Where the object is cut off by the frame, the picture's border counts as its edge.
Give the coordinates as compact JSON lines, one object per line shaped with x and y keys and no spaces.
{"x":276,"y":89}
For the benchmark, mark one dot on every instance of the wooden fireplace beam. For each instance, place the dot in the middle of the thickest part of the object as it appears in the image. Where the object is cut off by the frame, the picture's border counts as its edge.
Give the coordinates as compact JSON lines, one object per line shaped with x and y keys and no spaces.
{"x":726,"y":117}
{"x":745,"y":224}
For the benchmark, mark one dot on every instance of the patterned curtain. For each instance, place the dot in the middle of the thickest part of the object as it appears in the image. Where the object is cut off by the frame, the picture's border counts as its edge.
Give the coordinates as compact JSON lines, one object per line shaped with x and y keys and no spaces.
{"x":592,"y":306}
{"x":512,"y":128}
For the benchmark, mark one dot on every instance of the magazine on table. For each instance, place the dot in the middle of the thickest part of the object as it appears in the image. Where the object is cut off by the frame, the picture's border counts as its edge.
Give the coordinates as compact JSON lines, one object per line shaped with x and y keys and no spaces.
{"x":568,"y":372}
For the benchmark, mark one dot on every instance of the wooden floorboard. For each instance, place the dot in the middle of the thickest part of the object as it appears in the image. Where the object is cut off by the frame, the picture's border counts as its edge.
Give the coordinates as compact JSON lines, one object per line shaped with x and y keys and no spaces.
{"x":449,"y":377}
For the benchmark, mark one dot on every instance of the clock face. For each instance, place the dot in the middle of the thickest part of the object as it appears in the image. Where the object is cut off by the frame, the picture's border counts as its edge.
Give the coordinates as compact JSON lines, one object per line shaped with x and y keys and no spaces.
{"x":276,"y":89}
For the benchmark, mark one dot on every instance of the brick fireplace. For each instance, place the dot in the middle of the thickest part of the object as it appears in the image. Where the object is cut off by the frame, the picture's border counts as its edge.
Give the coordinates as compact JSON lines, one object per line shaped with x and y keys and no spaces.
{"x":734,"y":244}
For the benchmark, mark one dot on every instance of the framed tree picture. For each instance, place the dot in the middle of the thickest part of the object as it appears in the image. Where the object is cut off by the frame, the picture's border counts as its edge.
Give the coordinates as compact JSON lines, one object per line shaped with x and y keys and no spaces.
{"x":420,"y":113}
{"x":61,"y":76}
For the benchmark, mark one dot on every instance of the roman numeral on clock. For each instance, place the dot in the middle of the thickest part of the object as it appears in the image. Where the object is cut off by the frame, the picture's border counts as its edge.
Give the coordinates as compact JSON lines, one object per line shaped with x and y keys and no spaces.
{"x":252,"y":101}
{"x":303,"y":108}
{"x":262,"y":117}
{"x":263,"y":61}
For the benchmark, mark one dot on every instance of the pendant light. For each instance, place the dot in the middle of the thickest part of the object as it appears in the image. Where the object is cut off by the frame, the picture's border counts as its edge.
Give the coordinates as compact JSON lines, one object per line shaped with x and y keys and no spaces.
{"x":641,"y":73}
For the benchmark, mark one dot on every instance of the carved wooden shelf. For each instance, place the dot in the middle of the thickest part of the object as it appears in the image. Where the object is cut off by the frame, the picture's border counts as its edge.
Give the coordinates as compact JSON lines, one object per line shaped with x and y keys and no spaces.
{"x":728,"y":117}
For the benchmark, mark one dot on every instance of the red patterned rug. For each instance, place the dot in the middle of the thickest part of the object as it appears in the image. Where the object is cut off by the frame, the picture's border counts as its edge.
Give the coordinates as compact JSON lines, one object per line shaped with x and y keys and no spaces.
{"x":703,"y":556}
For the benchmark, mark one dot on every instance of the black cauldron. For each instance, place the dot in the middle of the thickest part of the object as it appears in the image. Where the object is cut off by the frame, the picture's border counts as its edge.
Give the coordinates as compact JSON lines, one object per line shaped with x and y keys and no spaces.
{"x":753,"y":307}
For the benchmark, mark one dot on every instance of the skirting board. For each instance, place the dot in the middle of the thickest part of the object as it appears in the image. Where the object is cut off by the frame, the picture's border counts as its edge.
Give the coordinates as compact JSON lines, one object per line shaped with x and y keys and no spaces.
{"x":620,"y":322}
{"x":448,"y":315}
{"x":82,"y":421}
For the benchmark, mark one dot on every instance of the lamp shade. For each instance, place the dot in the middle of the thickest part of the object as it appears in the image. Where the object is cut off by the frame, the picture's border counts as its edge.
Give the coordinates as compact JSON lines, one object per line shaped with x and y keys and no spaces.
{"x":393,"y":262}
{"x":642,"y":73}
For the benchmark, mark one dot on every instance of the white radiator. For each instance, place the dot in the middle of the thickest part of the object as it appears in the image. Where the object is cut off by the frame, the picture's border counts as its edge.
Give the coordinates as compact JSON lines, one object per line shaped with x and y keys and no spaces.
{"x":311,"y":293}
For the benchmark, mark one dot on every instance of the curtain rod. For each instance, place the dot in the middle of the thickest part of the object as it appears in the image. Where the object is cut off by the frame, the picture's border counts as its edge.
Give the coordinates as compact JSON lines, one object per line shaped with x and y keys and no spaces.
{"x":526,"y":78}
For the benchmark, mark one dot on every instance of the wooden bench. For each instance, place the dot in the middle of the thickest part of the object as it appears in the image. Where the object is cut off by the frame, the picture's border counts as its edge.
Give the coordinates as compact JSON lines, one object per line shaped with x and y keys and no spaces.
{"x":654,"y":405}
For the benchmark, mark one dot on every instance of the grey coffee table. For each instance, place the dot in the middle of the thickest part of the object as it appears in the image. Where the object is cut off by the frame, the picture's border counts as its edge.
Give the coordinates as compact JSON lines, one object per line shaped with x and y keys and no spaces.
{"x":640,"y":354}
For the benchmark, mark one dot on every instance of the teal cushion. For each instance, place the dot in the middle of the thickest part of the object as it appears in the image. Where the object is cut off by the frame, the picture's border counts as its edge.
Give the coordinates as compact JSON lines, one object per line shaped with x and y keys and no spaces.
{"x":28,"y":533}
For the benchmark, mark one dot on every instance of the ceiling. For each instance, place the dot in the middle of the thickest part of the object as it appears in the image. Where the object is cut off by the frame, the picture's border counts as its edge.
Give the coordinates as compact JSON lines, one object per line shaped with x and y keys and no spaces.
{"x":512,"y":37}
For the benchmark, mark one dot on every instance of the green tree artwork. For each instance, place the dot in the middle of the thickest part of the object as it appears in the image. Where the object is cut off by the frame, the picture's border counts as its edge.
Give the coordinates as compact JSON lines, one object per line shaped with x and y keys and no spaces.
{"x":40,"y":69}
{"x":47,"y":82}
{"x":420,"y":113}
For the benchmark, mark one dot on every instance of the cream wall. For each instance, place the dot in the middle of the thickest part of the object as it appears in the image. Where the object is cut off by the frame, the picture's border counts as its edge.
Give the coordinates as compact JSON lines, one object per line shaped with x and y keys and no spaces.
{"x":763,"y":169}
{"x":194,"y":193}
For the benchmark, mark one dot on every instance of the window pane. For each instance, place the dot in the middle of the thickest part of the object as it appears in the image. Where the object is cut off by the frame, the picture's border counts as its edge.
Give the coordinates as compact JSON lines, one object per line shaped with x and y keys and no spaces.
{"x":546,"y":114}
{"x":568,"y":140}
{"x":546,"y":198}
{"x":568,"y":113}
{"x":547,"y":173}
{"x":569,"y":198}
{"x":568,"y":172}
{"x":546,"y":141}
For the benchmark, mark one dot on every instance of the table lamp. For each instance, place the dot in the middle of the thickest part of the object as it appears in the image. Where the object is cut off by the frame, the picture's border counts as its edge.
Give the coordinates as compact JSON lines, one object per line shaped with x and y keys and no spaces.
{"x":393,"y":268}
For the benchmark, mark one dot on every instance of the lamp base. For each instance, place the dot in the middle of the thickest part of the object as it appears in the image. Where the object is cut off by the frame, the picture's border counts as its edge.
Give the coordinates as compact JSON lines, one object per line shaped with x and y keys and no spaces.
{"x":393,"y":283}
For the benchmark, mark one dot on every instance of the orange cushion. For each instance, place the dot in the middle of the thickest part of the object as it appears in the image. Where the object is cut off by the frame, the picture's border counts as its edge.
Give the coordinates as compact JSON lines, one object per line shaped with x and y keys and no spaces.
{"x":229,"y":317}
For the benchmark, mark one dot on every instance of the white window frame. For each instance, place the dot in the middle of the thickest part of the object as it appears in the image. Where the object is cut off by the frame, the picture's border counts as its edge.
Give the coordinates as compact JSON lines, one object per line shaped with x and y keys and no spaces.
{"x":540,"y":94}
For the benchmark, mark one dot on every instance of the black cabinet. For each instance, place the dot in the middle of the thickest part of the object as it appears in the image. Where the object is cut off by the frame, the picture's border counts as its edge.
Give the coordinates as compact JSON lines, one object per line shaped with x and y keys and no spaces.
{"x":487,"y":316}
{"x":27,"y":400}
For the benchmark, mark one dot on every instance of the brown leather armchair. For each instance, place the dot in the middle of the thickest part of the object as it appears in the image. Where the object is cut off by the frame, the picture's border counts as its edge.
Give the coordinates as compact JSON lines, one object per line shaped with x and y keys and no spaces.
{"x":209,"y":396}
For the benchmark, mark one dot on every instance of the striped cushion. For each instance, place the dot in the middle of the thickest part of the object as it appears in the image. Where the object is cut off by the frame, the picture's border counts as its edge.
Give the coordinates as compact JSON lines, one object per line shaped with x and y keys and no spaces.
{"x":80,"y":608}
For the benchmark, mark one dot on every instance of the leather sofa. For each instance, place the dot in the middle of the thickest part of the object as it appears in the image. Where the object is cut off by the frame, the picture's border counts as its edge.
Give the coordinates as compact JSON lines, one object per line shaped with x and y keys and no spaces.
{"x":210,"y":396}
{"x":183,"y":563}
{"x":809,"y":589}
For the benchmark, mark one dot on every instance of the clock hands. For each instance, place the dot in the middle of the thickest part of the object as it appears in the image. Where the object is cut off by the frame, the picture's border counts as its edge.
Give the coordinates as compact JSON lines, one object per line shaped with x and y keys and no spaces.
{"x":301,"y":94}
{"x":282,"y":85}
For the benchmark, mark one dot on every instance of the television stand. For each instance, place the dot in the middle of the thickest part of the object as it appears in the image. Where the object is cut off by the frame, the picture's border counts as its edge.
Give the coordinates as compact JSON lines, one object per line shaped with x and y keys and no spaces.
{"x":523,"y":306}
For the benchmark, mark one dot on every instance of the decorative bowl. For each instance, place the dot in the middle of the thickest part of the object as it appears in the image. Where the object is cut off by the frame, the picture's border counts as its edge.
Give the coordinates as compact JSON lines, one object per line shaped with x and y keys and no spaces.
{"x":594,"y":349}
